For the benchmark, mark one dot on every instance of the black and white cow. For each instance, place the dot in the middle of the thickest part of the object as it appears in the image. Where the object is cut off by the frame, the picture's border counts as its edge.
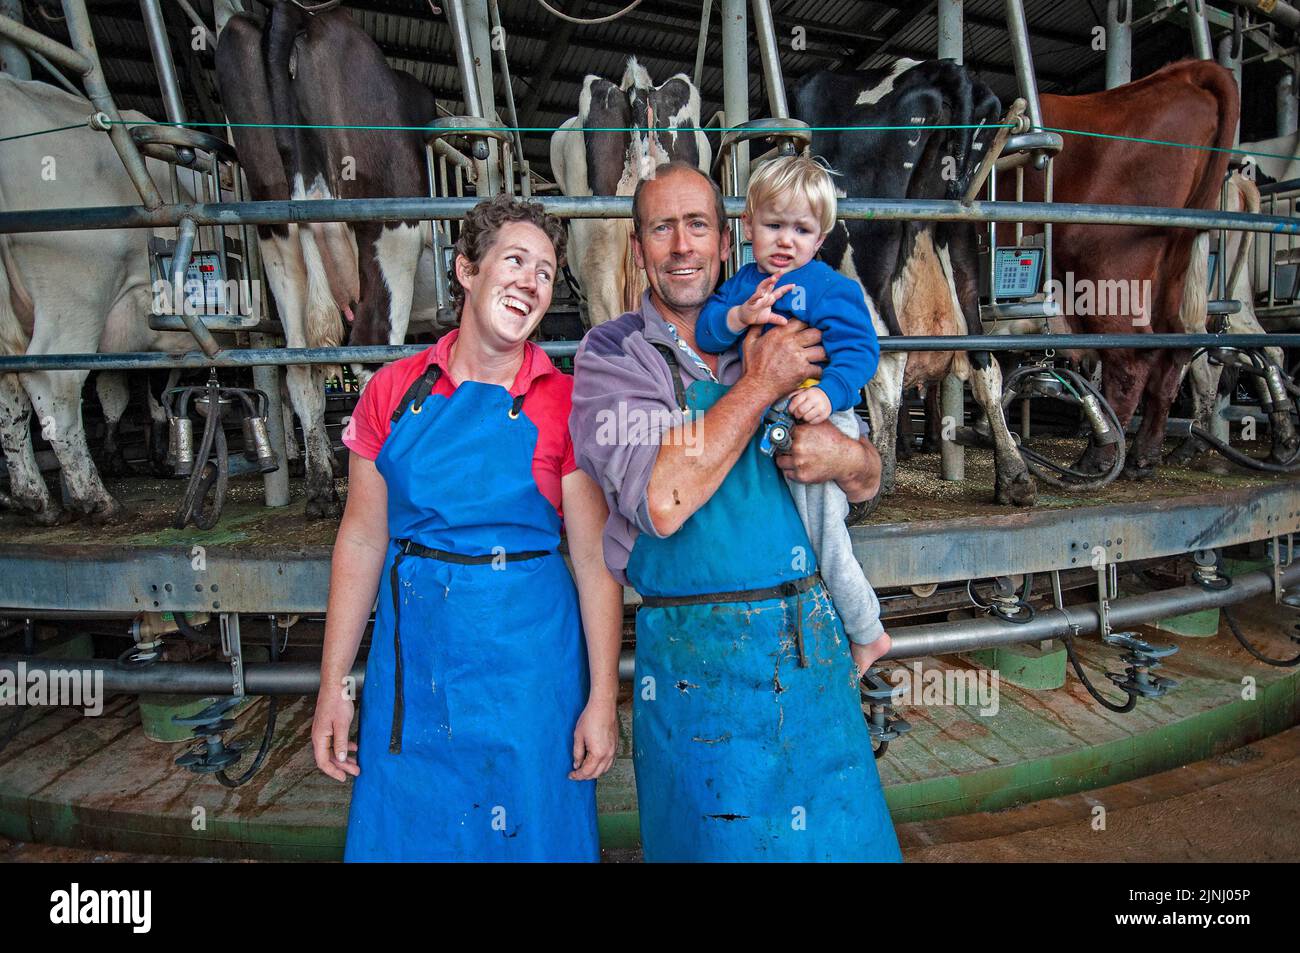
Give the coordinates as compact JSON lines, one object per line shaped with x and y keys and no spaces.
{"x":333,"y":283}
{"x":920,"y":278}
{"x":665,"y":124}
{"x":1240,"y":195}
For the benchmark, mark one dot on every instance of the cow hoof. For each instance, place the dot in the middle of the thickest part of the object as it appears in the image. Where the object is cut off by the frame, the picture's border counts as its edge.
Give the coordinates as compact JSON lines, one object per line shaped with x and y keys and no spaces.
{"x":324,"y":508}
{"x":106,"y":514}
{"x":50,"y":516}
{"x":1139,"y":472}
{"x":1284,"y":454}
{"x":1018,"y":491}
{"x":1184,"y":455}
{"x":114,"y":465}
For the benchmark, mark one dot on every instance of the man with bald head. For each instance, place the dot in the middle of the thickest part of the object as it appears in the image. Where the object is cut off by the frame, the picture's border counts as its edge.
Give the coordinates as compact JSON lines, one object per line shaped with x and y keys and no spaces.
{"x":748,"y":736}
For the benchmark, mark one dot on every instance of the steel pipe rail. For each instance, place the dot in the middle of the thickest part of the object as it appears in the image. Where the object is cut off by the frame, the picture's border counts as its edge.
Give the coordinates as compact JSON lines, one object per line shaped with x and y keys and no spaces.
{"x":1275,"y":10}
{"x":397,"y":209}
{"x":381,"y":353}
{"x":187,"y":678}
{"x":917,"y":641}
{"x":53,"y":50}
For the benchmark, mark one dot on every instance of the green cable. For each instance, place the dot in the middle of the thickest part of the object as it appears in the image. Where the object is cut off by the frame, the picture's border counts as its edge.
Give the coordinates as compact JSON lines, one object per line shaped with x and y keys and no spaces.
{"x":285,"y":125}
{"x":1169,"y":142}
{"x":43,"y":132}
{"x":1066,"y":383}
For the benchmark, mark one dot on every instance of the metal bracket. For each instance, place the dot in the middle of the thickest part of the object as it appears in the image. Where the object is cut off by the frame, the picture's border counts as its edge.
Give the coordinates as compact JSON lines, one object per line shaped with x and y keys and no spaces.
{"x":1107,"y":589}
{"x":230,"y":646}
{"x":1275,"y":545}
{"x":793,"y":132}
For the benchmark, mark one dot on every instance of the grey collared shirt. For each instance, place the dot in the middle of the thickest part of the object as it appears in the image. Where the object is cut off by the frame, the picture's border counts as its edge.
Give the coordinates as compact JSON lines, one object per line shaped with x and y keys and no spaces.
{"x":623,"y":403}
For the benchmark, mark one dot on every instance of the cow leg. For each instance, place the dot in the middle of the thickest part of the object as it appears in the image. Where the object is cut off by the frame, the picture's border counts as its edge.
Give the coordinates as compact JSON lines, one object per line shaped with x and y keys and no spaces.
{"x":388,"y":257}
{"x":905,"y":435}
{"x":1161,"y":387}
{"x":27,"y":490}
{"x":884,"y":394}
{"x":291,"y":450}
{"x":114,"y":395}
{"x":56,"y":398}
{"x":1012,"y":484}
{"x":310,"y":320}
{"x":1203,"y":381}
{"x":933,"y":419}
{"x":157,"y":433}
{"x":307,"y":392}
{"x":1285,"y":439}
{"x":1123,"y":376}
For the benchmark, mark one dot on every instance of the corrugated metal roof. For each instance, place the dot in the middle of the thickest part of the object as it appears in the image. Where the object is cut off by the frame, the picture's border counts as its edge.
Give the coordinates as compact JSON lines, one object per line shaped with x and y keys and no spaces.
{"x":663,"y":35}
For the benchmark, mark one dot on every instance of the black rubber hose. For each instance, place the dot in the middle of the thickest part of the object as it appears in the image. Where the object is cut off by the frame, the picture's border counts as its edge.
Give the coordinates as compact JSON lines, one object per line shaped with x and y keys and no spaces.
{"x":1292,"y":465}
{"x":205,"y":516}
{"x":881,"y":749}
{"x":193,"y":491}
{"x":265,"y":748}
{"x":1078,"y":670}
{"x":1280,"y":663}
{"x":191,"y":631}
{"x":1043,"y":467}
{"x":1242,"y":459}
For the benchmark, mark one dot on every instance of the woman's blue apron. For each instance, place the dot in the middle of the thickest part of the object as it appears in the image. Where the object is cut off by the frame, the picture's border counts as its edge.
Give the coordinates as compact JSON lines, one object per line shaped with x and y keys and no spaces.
{"x":748,"y":734}
{"x":477,"y":670}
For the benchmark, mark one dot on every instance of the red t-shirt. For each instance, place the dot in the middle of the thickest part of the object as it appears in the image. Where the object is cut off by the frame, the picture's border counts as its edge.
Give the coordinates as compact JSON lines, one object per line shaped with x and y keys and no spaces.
{"x":547,"y":406}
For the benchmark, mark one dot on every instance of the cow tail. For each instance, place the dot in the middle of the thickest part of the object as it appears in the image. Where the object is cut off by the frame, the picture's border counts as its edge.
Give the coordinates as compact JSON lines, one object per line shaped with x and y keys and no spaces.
{"x":1193,"y":310}
{"x":13,"y":339}
{"x":277,"y":51}
{"x":633,"y":278}
{"x":1251,"y":204}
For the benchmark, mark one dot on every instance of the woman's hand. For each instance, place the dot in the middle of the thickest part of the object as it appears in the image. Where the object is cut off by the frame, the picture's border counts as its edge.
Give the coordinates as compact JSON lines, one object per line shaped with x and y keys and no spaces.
{"x":329,"y":734}
{"x":865,"y":656}
{"x":595,"y":740}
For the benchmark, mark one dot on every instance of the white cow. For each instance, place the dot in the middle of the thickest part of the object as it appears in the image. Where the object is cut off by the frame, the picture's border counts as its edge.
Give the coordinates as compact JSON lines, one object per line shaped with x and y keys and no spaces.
{"x":66,"y":292}
{"x":587,"y":162}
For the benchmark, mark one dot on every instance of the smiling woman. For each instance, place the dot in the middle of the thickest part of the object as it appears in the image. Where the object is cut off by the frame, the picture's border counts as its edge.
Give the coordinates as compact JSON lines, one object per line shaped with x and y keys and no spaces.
{"x":486,"y":716}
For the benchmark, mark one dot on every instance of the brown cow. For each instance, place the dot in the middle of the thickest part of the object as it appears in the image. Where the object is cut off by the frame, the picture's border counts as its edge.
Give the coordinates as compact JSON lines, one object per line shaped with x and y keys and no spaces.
{"x":1191,"y":101}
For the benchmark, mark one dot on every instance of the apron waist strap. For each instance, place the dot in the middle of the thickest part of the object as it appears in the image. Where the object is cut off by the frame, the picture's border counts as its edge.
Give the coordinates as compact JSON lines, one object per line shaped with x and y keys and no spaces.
{"x":409,"y":547}
{"x":782,"y":591}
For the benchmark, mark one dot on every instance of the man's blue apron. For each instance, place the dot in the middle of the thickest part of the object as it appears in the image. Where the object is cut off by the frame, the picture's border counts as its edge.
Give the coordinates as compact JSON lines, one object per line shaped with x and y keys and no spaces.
{"x":748,"y":734}
{"x":477,"y":670}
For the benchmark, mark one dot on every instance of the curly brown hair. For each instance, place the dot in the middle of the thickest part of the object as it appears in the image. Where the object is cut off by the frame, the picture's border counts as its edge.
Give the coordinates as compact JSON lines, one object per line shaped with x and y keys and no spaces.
{"x":479,"y":231}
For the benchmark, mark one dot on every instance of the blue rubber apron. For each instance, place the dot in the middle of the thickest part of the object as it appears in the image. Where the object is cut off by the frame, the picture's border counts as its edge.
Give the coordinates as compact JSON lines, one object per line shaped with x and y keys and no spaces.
{"x":748,"y":734}
{"x":477,"y":669}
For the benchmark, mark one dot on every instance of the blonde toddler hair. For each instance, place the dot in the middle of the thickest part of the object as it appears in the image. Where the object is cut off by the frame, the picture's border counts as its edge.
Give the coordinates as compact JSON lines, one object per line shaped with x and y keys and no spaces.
{"x":776,"y":181}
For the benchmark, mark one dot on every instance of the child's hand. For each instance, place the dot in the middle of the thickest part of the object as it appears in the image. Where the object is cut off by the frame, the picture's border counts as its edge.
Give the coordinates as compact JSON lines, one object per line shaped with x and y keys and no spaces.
{"x":810,"y":405}
{"x":758,"y":309}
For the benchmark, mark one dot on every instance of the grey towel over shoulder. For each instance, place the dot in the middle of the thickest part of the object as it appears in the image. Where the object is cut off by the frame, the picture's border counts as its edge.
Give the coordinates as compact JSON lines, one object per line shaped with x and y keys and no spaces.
{"x":823,"y":507}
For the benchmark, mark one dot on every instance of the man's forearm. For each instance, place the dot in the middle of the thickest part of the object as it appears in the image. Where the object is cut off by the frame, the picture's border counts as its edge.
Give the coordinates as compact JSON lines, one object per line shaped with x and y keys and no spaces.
{"x":861,"y":479}
{"x":696,"y":457}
